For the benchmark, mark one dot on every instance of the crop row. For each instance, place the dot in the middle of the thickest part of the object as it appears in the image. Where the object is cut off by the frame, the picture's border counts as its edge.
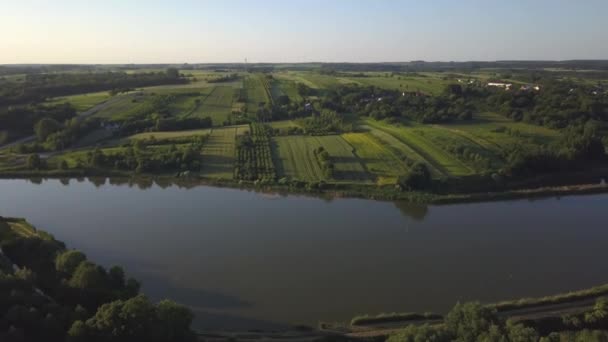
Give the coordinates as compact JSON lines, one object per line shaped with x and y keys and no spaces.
{"x":254,"y":157}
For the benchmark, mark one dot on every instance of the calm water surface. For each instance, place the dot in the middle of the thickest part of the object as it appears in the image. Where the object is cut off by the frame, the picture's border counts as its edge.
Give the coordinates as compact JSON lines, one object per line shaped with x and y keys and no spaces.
{"x":242,"y":259}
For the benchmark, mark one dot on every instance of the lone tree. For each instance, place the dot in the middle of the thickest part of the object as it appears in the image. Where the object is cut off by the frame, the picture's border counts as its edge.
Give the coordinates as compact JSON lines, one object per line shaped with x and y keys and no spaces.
{"x":34,"y":161}
{"x":46,"y":127}
{"x":419,"y":178}
{"x":172,"y":73}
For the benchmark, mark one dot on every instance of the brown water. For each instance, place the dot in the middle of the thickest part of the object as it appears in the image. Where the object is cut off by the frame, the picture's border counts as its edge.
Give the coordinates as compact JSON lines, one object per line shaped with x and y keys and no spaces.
{"x":248,"y":260}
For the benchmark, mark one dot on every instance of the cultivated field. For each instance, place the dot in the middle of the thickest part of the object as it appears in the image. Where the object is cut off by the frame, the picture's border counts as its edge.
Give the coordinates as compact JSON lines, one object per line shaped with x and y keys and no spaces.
{"x":218,"y":153}
{"x":82,"y":102}
{"x":294,"y":157}
{"x":124,"y":106}
{"x":170,"y":134}
{"x":217,"y":104}
{"x":285,"y":88}
{"x":415,"y":138}
{"x":255,"y":92}
{"x":376,"y":157}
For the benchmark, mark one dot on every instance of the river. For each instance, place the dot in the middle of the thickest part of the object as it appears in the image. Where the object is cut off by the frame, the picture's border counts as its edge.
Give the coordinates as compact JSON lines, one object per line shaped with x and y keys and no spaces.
{"x":246,"y":260}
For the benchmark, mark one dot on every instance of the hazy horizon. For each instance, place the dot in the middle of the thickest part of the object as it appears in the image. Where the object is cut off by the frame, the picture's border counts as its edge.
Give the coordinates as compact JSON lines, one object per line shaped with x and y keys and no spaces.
{"x":185,"y":31}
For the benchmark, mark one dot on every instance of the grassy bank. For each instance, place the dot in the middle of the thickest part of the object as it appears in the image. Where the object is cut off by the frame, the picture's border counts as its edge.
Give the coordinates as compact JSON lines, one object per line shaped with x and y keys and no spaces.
{"x":503,"y":307}
{"x":394,"y":317}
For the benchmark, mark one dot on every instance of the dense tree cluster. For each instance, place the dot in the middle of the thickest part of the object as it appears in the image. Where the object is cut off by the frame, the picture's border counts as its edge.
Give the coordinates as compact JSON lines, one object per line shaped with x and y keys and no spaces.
{"x":576,"y":148}
{"x":326,"y":122}
{"x":148,"y":156}
{"x":558,"y":104}
{"x":22,"y":119}
{"x":455,"y":104}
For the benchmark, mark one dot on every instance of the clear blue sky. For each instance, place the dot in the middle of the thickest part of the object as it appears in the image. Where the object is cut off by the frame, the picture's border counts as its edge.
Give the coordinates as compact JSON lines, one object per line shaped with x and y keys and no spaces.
{"x":159,"y":31}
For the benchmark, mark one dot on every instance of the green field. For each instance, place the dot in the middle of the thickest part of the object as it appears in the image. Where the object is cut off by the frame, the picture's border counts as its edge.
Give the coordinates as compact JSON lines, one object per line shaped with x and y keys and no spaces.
{"x":400,"y":150}
{"x":295,"y":159}
{"x":217,"y":105}
{"x":285,"y":88}
{"x":347,"y":165}
{"x":124,"y":106}
{"x":219,"y":151}
{"x":377,"y":159}
{"x":255,"y":92}
{"x":427,"y":83}
{"x":82,"y":102}
{"x":170,"y":134}
{"x":432,"y":154}
{"x":486,"y":129}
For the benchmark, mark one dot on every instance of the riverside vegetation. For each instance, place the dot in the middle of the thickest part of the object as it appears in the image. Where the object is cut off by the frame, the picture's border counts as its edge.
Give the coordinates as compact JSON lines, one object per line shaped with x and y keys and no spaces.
{"x":399,"y":131}
{"x":52,"y":293}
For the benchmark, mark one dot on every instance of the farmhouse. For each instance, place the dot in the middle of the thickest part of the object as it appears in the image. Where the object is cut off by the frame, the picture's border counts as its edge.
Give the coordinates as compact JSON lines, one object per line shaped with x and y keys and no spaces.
{"x":529,"y":87}
{"x":507,"y":86}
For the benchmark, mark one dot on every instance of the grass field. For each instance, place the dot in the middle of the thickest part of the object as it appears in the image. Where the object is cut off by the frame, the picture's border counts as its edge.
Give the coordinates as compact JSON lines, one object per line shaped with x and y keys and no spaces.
{"x":430,"y":83}
{"x":219,"y":152}
{"x":377,"y":159}
{"x":170,"y":134}
{"x":295,"y":159}
{"x":284,"y":125}
{"x":432,"y":154}
{"x":255,"y":92}
{"x":486,"y":130}
{"x":217,"y":105}
{"x":285,"y":87}
{"x":347,"y":165}
{"x":82,"y":102}
{"x":124,"y":106}
{"x":402,"y":151}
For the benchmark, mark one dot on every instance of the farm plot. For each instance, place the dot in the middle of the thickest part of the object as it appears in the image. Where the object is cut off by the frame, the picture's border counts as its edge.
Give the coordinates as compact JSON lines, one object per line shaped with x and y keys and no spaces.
{"x":217,"y":105}
{"x":82,"y":102}
{"x":497,"y":132}
{"x":433,"y":154}
{"x":429,"y":85}
{"x":256,"y":92}
{"x":377,"y":159}
{"x":285,"y":88}
{"x":400,"y":150}
{"x":347,"y":165}
{"x":167,"y":135}
{"x":124,"y":106}
{"x":294,"y":157}
{"x":218,"y":153}
{"x":467,"y":150}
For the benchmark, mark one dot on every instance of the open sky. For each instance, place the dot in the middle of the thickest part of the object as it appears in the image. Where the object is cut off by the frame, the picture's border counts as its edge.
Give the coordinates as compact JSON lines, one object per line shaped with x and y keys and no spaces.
{"x":178,"y":31}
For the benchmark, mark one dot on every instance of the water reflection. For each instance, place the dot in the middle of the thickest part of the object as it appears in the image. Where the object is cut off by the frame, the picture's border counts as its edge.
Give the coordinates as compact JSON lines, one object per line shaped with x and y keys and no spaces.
{"x":414,"y":211}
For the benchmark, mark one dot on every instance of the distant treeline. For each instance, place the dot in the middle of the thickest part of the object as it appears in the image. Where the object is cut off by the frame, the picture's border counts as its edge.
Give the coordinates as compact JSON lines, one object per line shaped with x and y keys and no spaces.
{"x":38,"y":87}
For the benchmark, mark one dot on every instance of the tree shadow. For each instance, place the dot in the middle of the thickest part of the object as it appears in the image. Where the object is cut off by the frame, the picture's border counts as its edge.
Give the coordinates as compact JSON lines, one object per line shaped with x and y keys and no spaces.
{"x":158,"y":287}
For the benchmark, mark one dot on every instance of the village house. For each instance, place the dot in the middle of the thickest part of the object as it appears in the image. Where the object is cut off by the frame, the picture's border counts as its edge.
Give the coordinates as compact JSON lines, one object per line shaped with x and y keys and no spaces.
{"x":507,"y":86}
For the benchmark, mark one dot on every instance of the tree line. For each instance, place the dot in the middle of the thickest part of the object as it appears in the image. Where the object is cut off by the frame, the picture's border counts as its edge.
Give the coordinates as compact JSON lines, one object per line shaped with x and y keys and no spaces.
{"x":40,"y":86}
